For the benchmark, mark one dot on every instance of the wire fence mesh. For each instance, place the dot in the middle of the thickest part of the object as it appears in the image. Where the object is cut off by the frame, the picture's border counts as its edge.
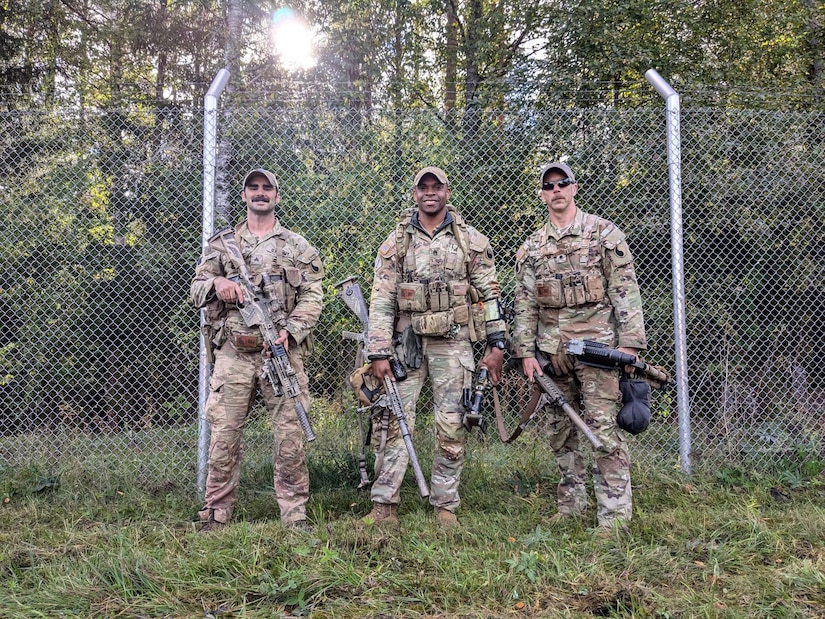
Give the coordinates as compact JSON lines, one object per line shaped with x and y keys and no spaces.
{"x":101,"y":229}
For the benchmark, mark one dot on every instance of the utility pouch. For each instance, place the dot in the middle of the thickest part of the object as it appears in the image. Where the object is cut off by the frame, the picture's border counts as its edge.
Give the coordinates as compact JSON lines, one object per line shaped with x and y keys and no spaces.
{"x":573,"y":290}
{"x":461,"y":315}
{"x":247,"y":342}
{"x":593,"y":288}
{"x":409,"y":348}
{"x":439,"y":297}
{"x":411,"y":297}
{"x":432,"y":323}
{"x":291,"y":282}
{"x":549,"y":292}
{"x":293,"y":276}
{"x":458,"y":293}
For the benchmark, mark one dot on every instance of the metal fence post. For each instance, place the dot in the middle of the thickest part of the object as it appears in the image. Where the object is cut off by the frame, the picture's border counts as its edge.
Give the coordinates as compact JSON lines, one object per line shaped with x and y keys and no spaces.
{"x":674,"y":163}
{"x":210,"y":138}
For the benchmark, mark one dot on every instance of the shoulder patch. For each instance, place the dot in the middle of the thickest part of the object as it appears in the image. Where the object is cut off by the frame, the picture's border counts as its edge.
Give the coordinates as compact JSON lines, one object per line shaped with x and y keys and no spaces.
{"x":611,"y":235}
{"x":387,"y":248}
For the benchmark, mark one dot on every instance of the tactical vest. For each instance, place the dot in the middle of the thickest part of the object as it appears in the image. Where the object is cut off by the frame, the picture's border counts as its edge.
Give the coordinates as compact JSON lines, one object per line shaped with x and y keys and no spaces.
{"x":438,"y":305}
{"x":570,"y":271}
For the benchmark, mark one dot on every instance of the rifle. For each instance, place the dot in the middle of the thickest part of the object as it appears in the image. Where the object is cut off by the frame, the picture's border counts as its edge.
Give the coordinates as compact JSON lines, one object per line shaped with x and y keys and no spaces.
{"x":267,"y":313}
{"x":350,"y":292}
{"x":352,"y":296}
{"x":392,"y":400}
{"x":471,"y":399}
{"x":555,"y":397}
{"x":602,"y":356}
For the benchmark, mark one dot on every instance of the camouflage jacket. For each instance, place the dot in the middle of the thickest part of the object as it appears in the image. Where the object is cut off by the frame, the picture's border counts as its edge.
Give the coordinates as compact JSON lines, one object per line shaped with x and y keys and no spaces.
{"x":282,"y":253}
{"x":581,"y":284}
{"x":456,"y":258}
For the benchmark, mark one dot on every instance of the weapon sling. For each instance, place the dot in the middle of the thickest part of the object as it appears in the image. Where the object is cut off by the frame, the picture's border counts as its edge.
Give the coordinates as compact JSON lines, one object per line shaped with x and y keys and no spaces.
{"x":544,"y":386}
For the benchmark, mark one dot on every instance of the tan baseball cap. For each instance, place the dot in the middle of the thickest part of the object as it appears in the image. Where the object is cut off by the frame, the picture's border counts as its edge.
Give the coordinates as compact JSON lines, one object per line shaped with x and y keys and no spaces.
{"x":557,"y":165}
{"x":440,"y":174}
{"x":261,"y":172}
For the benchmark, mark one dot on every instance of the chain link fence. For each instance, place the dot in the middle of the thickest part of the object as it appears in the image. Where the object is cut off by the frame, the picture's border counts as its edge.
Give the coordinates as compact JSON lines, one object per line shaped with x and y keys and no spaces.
{"x":101,"y":229}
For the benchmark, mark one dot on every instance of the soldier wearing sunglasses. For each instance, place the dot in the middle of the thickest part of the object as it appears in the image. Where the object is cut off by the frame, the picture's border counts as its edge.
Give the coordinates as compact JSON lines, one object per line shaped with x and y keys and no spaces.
{"x":576,"y":280}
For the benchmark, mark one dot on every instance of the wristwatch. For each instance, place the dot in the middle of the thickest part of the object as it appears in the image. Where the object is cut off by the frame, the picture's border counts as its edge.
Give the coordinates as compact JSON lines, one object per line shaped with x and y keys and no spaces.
{"x":499,"y":344}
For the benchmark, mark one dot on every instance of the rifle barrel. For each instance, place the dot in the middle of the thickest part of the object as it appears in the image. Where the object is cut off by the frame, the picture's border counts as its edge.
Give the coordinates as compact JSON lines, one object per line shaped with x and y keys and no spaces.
{"x":397,"y":407}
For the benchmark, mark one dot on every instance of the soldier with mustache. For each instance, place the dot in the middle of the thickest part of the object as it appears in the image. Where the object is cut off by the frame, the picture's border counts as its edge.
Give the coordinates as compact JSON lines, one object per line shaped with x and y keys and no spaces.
{"x":295,"y":267}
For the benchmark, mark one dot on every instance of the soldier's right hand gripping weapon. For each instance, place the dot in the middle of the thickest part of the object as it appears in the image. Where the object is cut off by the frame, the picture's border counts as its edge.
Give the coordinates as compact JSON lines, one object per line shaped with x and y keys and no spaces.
{"x":268,"y":315}
{"x":350,"y":293}
{"x":471,"y":399}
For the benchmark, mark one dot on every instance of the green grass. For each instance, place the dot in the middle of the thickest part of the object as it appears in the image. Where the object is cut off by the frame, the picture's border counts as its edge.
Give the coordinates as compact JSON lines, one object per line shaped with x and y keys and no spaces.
{"x":80,"y":544}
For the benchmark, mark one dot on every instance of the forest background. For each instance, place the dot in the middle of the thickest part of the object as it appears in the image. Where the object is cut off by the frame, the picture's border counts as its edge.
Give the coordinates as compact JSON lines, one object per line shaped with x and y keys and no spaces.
{"x":102,"y":117}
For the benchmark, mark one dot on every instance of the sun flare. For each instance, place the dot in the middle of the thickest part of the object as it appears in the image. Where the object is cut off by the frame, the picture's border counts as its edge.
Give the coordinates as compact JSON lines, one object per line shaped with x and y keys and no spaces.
{"x":292,"y":39}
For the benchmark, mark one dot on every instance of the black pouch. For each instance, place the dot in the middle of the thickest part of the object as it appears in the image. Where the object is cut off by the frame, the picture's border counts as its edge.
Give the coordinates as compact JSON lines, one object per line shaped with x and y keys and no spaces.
{"x":410,"y":349}
{"x":634,"y":415}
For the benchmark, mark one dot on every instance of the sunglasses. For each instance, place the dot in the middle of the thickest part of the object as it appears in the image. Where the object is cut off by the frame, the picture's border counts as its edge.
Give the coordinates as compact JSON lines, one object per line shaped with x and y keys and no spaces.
{"x":549,"y":186}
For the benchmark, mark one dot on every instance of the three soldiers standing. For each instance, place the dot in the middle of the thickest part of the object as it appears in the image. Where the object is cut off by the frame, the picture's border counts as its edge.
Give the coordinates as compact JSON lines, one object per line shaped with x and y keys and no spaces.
{"x":435,"y":292}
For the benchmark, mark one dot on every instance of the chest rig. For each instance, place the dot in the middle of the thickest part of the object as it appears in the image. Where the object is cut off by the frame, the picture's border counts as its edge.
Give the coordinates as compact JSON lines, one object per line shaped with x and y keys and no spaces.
{"x":267,"y":259}
{"x":435,"y":296}
{"x":570,"y":270}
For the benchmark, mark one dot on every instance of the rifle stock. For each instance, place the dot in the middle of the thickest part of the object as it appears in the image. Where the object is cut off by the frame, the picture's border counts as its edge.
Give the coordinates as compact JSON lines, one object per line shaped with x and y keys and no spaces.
{"x":268,"y":316}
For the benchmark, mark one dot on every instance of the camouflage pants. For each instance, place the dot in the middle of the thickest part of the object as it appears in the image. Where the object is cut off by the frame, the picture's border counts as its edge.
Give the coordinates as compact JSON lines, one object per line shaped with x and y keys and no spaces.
{"x":450,"y":364}
{"x":235,"y":378}
{"x":594,"y":394}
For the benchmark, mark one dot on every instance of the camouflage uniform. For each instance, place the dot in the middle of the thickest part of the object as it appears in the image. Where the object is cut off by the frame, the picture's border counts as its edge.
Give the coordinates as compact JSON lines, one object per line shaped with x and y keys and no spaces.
{"x":581,"y":284}
{"x":290,"y":260}
{"x":430,"y":282}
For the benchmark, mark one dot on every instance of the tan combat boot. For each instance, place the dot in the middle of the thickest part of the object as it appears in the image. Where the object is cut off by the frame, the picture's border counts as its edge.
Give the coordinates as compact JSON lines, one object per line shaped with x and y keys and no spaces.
{"x":445,"y":518}
{"x":382,"y":513}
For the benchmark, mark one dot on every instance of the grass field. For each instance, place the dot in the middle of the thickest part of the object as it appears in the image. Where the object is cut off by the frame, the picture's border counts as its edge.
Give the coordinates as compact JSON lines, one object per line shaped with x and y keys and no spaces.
{"x":728,"y":545}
